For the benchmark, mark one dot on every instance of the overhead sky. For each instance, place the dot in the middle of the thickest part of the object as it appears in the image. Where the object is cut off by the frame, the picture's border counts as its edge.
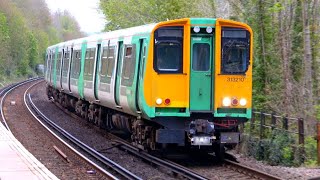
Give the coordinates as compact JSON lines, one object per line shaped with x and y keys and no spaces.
{"x":86,"y":13}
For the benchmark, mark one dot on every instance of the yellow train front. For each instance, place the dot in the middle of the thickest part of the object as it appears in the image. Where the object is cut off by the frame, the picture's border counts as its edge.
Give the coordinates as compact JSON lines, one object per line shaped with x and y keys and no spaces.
{"x":197,"y":83}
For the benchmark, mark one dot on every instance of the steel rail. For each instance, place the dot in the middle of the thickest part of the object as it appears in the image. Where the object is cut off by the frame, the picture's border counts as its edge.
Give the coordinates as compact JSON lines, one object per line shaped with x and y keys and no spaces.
{"x":116,"y":167}
{"x":6,"y":91}
{"x":253,"y":172}
{"x":176,"y":168}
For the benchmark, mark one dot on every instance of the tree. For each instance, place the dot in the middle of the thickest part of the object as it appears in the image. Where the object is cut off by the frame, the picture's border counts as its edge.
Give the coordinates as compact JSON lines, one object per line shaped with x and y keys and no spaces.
{"x":66,"y":25}
{"x":139,"y":12}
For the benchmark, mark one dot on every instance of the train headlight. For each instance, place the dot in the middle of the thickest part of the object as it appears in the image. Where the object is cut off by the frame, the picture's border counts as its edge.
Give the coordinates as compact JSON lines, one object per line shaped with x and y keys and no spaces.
{"x":209,"y":29}
{"x":159,"y":101}
{"x":226,"y":101}
{"x":196,"y":29}
{"x":243,"y":102}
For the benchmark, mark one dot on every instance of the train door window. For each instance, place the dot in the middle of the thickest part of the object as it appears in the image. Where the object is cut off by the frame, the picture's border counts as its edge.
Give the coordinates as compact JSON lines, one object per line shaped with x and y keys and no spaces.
{"x":51,"y":62}
{"x":201,"y":57}
{"x":58,"y":63}
{"x":89,"y":61}
{"x":76,"y":63}
{"x":66,"y":60}
{"x":143,"y":60}
{"x":111,"y":59}
{"x":168,"y":56}
{"x":128,"y":67}
{"x":104,"y":62}
{"x":47,"y":64}
{"x":235,"y":47}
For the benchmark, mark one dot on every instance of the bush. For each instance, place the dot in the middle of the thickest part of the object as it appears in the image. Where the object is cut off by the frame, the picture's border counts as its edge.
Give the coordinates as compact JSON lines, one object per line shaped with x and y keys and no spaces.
{"x":310,"y":148}
{"x":281,"y":150}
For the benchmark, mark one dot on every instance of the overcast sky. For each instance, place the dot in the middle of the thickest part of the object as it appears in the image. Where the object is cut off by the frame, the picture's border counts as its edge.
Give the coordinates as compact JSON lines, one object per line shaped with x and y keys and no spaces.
{"x":85,"y":11}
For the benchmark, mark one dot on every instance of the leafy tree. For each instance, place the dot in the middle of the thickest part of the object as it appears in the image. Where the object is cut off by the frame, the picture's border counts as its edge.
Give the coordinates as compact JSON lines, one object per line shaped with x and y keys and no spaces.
{"x":66,"y":25}
{"x":4,"y":41}
{"x":139,"y":12}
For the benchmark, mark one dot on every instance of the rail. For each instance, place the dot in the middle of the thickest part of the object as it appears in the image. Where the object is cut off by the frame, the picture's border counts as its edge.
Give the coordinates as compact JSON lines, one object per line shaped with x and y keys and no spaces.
{"x":176,"y":168}
{"x":116,"y":167}
{"x":4,"y":92}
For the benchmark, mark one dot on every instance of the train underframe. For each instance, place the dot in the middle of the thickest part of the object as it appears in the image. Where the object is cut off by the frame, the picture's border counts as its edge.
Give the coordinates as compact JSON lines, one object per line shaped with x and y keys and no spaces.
{"x":200,"y":131}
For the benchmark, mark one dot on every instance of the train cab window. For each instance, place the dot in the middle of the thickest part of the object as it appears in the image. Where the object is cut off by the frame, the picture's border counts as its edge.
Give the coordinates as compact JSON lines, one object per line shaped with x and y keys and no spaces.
{"x":128,"y":67}
{"x":235,"y":53}
{"x":168,"y":44}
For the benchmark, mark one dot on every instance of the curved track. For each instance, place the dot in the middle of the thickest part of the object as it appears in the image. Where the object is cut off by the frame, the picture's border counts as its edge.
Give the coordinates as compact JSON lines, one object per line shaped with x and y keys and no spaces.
{"x":13,"y":119}
{"x":124,"y":172}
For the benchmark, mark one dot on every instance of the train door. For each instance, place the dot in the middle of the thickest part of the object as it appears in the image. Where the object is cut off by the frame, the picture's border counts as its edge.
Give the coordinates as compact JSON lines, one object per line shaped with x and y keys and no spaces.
{"x":118,"y":74}
{"x":96,"y":76}
{"x":141,"y":61}
{"x":201,"y":74}
{"x":69,"y":69}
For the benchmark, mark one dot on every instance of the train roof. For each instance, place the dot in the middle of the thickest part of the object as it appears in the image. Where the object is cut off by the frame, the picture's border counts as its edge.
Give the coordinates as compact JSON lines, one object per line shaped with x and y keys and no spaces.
{"x":110,"y":35}
{"x":144,"y":29}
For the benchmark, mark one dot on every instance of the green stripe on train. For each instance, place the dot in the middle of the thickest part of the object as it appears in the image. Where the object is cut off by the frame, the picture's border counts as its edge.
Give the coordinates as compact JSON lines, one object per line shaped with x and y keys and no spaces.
{"x":55,"y":67}
{"x":80,"y":80}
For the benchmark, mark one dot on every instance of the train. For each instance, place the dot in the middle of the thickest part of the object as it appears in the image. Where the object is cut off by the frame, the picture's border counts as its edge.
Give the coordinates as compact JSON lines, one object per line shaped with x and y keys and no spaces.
{"x":184,"y":83}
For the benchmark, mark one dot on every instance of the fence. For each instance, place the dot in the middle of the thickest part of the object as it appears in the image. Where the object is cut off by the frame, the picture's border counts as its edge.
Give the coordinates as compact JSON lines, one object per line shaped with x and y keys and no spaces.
{"x":262,"y":126}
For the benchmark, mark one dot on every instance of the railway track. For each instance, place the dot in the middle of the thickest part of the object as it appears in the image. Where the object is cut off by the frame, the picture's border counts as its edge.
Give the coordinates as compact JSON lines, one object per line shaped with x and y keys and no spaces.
{"x":98,"y":156}
{"x":231,"y":169}
{"x":253,"y":173}
{"x":5,"y":91}
{"x":18,"y":120}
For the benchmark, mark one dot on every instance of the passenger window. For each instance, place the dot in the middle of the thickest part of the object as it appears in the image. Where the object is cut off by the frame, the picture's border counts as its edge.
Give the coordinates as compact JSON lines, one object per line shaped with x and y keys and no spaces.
{"x":128,"y":67}
{"x":168,"y":55}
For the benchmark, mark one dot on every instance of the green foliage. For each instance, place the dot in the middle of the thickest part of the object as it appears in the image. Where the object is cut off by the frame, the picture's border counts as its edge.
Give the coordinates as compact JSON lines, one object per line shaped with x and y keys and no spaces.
{"x":279,"y":150}
{"x":297,"y":44}
{"x":139,"y":12}
{"x":26,"y":30}
{"x":310,"y":148}
{"x":66,"y":25}
{"x":318,"y":112}
{"x":4,"y":41}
